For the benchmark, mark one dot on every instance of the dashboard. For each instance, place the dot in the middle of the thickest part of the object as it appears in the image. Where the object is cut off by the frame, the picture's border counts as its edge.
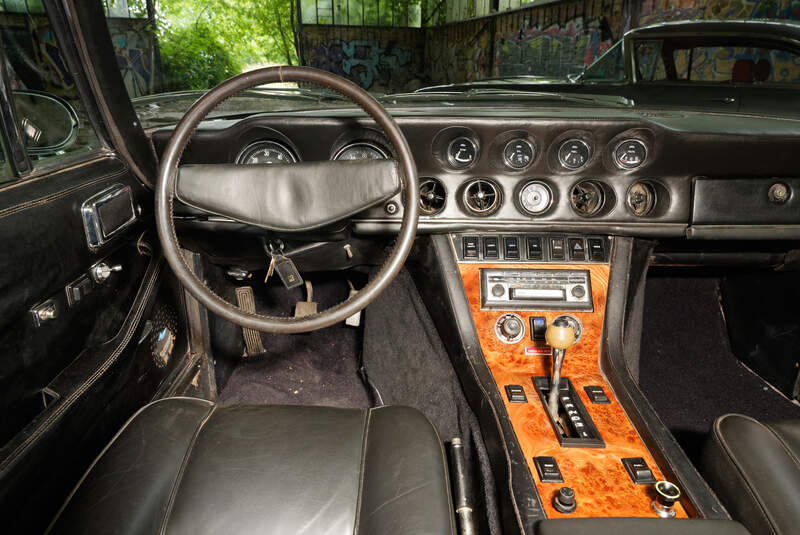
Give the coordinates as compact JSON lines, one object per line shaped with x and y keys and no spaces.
{"x":656,"y":174}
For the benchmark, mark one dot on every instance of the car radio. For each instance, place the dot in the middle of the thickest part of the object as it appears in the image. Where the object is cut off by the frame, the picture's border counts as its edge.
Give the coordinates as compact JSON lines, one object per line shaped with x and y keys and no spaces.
{"x":536,"y":289}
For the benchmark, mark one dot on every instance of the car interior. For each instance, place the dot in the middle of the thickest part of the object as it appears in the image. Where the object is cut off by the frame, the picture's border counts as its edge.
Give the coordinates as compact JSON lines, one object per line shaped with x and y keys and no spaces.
{"x":408,"y":315}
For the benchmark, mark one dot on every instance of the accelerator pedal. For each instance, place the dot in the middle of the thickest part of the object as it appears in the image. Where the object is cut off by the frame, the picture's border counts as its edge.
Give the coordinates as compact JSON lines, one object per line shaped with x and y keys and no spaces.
{"x":252,"y":339}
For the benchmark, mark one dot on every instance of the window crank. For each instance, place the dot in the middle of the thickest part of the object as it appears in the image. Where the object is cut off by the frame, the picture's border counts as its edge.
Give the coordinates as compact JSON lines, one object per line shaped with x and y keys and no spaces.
{"x":102,"y":271}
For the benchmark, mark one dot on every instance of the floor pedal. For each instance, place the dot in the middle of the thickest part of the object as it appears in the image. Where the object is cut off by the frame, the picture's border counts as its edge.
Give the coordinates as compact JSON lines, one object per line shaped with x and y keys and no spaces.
{"x":252,"y":339}
{"x":307,"y":307}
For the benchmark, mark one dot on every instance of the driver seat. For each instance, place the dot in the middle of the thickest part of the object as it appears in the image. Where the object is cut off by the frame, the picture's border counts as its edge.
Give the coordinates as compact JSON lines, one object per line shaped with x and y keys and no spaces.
{"x":185,"y":465}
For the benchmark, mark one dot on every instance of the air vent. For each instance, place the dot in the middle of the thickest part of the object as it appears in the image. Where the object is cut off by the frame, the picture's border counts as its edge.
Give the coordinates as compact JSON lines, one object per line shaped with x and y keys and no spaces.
{"x":431,"y":195}
{"x":587,"y":198}
{"x":482,"y":196}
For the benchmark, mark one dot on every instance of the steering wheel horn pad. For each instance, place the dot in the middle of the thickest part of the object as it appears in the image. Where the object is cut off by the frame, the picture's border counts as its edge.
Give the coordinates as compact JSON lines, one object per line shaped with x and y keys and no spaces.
{"x":166,"y":186}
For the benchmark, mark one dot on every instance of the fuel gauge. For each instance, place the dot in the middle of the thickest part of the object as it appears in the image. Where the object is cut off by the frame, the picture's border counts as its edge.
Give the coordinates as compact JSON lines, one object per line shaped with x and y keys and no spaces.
{"x":630,"y":154}
{"x":461,"y":152}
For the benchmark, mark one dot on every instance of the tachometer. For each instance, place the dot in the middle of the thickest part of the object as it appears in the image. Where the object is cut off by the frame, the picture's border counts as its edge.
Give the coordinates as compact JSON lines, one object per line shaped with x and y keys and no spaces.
{"x":361,"y":151}
{"x":266,"y":152}
{"x":630,"y":154}
{"x":574,"y":153}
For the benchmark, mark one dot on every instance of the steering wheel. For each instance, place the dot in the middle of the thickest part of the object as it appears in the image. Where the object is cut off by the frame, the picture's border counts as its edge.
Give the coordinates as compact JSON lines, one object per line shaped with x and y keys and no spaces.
{"x":295,"y":197}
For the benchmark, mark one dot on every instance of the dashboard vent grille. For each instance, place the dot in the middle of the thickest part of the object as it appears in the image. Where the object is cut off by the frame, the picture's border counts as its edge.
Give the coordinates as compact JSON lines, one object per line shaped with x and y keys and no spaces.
{"x":587,"y":198}
{"x":431,"y":195}
{"x":481,"y":196}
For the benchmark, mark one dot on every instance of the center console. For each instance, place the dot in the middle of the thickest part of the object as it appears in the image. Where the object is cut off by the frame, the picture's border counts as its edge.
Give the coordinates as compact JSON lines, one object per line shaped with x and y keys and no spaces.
{"x":538,"y":304}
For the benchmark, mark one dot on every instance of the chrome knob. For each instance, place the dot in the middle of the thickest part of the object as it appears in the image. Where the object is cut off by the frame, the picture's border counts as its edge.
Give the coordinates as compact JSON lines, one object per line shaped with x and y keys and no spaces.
{"x":102,"y":271}
{"x":666,"y":495}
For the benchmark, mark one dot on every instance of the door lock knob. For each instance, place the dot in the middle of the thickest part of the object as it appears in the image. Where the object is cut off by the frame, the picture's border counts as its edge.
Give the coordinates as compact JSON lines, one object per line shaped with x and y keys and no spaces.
{"x":102,"y":271}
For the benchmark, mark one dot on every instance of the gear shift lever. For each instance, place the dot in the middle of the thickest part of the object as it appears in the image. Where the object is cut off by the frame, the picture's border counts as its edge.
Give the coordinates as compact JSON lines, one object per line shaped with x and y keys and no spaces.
{"x":560,"y":335}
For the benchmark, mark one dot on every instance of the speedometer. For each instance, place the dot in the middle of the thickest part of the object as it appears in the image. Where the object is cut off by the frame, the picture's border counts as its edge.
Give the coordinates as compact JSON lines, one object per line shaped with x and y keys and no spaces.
{"x":360,"y":151}
{"x":266,"y":152}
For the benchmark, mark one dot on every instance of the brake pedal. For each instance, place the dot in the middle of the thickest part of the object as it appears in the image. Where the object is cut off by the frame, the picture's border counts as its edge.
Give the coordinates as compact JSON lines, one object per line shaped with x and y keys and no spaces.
{"x":252,"y":339}
{"x":307,"y":307}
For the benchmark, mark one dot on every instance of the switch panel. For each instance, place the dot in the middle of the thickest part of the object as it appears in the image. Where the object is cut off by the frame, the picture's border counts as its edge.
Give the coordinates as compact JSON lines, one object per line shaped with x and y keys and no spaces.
{"x":639,"y":471}
{"x":596,"y":394}
{"x":516,"y":394}
{"x":548,"y":470}
{"x":539,"y":248}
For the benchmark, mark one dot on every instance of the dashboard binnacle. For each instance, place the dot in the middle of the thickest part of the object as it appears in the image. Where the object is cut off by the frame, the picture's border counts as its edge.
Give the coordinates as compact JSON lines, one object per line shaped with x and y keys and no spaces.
{"x":712,"y":177}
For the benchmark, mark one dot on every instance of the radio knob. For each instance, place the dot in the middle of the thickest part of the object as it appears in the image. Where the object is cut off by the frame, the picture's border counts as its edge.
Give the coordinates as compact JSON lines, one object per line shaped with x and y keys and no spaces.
{"x":578,"y":292}
{"x":498,"y":290}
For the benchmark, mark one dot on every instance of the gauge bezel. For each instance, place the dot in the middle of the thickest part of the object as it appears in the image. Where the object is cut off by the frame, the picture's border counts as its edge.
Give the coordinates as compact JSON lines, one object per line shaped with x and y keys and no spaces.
{"x":249,"y":147}
{"x":377,"y":148}
{"x":522,"y":206}
{"x":573,"y":140}
{"x":530,"y":146}
{"x":629,"y":167}
{"x":455,"y":164}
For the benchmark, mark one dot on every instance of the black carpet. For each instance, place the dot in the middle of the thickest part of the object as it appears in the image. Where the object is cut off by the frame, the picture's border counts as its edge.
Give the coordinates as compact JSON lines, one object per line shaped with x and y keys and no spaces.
{"x":318,"y":368}
{"x":688,"y":371}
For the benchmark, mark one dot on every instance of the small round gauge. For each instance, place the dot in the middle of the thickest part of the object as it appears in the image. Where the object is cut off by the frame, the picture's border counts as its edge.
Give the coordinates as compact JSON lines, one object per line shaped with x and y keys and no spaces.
{"x":641,"y":198}
{"x":518,"y":153}
{"x":630,"y":154}
{"x":535,"y":197}
{"x":574,"y":153}
{"x":266,"y":152}
{"x":361,"y":150}
{"x":461,"y":152}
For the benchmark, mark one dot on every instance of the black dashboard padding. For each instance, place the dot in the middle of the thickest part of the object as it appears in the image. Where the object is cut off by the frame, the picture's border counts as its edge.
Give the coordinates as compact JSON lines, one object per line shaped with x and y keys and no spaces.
{"x":743,"y":201}
{"x":290,"y":198}
{"x":636,"y":526}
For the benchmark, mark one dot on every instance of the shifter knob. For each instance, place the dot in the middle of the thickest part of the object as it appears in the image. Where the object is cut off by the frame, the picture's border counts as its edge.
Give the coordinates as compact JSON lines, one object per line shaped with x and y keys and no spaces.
{"x":560,"y":334}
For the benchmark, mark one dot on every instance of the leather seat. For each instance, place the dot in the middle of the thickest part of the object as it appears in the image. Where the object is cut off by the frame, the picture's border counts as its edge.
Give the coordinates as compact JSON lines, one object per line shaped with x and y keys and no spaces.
{"x":184,"y":465}
{"x":755,"y":471}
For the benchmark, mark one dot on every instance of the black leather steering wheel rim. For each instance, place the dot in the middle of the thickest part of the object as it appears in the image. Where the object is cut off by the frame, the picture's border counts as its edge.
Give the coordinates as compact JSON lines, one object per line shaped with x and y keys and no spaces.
{"x":165,"y":195}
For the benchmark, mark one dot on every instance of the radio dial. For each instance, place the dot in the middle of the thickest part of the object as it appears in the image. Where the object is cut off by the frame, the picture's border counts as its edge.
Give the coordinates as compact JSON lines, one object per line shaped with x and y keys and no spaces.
{"x":578,"y":292}
{"x":498,"y":290}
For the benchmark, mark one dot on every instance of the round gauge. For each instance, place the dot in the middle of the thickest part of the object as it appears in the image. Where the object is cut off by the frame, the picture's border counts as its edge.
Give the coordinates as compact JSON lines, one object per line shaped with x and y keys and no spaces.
{"x":587,"y":197}
{"x":518,"y":153}
{"x":630,"y":154}
{"x":461,"y":152}
{"x":535,"y":197}
{"x":641,"y":198}
{"x":574,"y":153}
{"x":361,"y":151}
{"x":266,"y":152}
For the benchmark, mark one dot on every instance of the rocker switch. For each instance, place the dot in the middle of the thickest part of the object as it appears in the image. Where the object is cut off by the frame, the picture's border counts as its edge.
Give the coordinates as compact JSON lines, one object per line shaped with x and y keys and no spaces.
{"x":516,"y":394}
{"x":548,"y":470}
{"x":596,"y":394}
{"x":639,"y":471}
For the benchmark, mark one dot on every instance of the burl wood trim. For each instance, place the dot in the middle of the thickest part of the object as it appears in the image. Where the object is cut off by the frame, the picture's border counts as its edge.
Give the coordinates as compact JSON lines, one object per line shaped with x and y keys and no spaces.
{"x":601,"y":484}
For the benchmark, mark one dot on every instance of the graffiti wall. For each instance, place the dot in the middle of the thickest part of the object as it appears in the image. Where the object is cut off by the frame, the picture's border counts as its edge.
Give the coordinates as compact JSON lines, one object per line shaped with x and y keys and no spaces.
{"x":35,"y":60}
{"x":551,"y":41}
{"x":378,"y":59}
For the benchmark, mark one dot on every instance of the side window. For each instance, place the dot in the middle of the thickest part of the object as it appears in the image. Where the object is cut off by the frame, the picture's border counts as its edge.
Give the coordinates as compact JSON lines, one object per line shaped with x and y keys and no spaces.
{"x":610,"y":67}
{"x":649,"y":63}
{"x":51,"y":117}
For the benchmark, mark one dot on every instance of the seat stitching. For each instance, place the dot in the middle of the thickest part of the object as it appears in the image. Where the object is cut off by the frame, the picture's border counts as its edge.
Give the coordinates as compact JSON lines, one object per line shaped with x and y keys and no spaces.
{"x":362,"y":470}
{"x":179,"y":476}
{"x":717,"y":435}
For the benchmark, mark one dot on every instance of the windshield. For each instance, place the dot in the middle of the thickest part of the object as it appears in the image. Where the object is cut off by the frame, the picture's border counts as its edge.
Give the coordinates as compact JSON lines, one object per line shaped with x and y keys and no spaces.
{"x":171,"y":51}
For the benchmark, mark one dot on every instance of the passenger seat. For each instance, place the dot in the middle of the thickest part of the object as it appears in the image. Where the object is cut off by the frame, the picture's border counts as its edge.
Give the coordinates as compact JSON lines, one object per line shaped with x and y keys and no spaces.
{"x":754,"y":468}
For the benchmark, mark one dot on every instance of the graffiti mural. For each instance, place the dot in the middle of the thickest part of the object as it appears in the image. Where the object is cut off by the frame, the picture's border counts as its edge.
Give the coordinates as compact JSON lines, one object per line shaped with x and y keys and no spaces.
{"x":366,"y":62}
{"x":653,"y":11}
{"x":551,"y":52}
{"x":134,"y":47}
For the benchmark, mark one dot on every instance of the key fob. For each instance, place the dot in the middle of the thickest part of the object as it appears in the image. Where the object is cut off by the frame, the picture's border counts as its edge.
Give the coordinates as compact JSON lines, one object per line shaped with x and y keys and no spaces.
{"x":287,"y":271}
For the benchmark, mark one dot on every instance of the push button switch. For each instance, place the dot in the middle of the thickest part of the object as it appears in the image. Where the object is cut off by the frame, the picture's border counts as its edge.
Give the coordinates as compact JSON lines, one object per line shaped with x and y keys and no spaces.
{"x":470,"y":247}
{"x":511,"y":248}
{"x":548,"y":470}
{"x":534,"y":248}
{"x":639,"y":471}
{"x":557,"y":249}
{"x":596,"y":249}
{"x":538,"y":328}
{"x":516,"y":394}
{"x":576,"y":249}
{"x":491,"y":248}
{"x":596,"y":394}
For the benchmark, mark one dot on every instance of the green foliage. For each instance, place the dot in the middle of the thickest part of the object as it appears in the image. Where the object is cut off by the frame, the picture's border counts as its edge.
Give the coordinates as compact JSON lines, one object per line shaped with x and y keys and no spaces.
{"x":192,"y":57}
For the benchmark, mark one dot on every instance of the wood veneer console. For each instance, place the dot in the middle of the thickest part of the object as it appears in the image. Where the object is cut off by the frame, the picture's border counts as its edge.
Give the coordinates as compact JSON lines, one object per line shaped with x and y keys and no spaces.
{"x":602,"y":486}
